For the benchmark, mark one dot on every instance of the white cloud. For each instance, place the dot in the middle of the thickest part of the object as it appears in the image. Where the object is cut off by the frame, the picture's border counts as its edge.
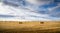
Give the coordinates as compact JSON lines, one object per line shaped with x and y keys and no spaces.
{"x":22,"y":14}
{"x":40,"y":2}
{"x":26,"y":14}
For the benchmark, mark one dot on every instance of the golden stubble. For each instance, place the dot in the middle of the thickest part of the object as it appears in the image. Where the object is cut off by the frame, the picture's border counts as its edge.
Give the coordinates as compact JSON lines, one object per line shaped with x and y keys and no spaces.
{"x":29,"y":24}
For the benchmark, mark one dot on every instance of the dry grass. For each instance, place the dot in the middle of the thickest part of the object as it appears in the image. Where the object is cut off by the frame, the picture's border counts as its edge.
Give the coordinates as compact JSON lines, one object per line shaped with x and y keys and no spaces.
{"x":29,"y":26}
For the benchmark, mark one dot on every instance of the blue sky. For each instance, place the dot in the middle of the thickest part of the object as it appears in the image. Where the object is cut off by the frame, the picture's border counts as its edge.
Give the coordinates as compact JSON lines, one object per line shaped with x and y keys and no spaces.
{"x":30,"y":10}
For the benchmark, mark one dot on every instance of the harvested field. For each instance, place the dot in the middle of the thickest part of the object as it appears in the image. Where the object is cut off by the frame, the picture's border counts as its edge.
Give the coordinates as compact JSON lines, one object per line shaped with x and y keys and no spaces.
{"x":29,"y":26}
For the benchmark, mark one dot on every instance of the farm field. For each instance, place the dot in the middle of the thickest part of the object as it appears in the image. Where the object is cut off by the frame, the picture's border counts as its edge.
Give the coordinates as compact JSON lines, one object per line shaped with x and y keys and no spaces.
{"x":29,"y":26}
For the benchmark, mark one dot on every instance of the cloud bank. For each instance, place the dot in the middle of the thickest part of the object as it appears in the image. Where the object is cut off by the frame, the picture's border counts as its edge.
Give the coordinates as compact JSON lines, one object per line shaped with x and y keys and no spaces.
{"x":30,"y":10}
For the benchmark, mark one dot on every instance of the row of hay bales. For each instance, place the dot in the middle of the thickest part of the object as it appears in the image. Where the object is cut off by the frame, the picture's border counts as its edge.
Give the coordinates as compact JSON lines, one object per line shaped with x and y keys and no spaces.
{"x":29,"y":24}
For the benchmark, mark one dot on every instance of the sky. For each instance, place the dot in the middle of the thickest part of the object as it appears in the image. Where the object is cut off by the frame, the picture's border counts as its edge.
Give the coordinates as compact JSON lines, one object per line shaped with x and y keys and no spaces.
{"x":29,"y":10}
